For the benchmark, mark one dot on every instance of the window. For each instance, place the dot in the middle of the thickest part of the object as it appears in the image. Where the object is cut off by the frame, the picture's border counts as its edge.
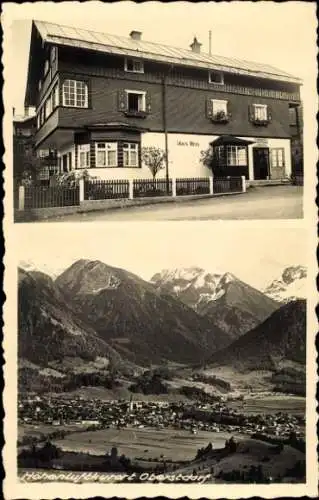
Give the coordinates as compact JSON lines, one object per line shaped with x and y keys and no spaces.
{"x":55,"y":96}
{"x":106,"y":154}
{"x":48,"y":106}
{"x":75,"y":94}
{"x":277,"y":157}
{"x":135,"y":101}
{"x":216,"y":77}
{"x":134,"y":65}
{"x":260,"y":112}
{"x":46,"y":67}
{"x":84,"y":156}
{"x":219,"y":107}
{"x":231,"y":155}
{"x":130,"y":154}
{"x":70,"y":161}
{"x":292,"y":116}
{"x":53,"y":54}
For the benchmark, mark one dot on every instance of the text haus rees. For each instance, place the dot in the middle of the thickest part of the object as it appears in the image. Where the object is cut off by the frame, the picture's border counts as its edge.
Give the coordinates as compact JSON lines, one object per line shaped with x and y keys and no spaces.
{"x":98,"y":104}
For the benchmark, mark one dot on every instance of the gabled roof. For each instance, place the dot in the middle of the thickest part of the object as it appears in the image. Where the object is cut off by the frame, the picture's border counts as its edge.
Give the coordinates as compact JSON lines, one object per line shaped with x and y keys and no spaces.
{"x":119,"y":45}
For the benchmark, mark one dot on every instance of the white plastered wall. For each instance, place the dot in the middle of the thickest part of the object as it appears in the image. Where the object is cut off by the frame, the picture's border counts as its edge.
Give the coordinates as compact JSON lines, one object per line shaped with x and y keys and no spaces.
{"x":184,"y":152}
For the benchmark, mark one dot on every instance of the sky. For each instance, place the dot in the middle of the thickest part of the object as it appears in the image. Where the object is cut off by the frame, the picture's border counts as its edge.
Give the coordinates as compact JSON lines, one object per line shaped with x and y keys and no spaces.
{"x":256,"y":253}
{"x":280,"y":34}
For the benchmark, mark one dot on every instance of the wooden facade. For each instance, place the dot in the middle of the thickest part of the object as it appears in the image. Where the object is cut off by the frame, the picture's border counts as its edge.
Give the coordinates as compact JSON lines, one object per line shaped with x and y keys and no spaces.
{"x":177,"y":100}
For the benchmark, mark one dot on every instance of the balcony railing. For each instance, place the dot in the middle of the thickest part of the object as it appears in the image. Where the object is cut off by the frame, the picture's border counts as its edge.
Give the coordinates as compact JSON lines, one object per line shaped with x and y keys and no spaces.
{"x":185,"y":81}
{"x":256,"y":92}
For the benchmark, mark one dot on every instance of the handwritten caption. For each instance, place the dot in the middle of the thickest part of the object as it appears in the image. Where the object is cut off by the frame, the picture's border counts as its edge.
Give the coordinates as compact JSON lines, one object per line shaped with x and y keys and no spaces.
{"x":87,"y":477}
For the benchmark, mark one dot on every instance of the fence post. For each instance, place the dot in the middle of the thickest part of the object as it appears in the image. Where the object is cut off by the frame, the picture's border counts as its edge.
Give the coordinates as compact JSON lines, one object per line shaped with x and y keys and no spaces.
{"x":174,"y":187}
{"x":21,"y":198}
{"x":81,"y":190}
{"x":243,"y":183}
{"x":211,"y":185}
{"x":130,"y":189}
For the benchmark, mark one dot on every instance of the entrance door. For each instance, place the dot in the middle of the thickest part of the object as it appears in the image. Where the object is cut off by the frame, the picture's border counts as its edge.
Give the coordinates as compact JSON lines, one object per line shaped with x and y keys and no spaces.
{"x":261,"y":163}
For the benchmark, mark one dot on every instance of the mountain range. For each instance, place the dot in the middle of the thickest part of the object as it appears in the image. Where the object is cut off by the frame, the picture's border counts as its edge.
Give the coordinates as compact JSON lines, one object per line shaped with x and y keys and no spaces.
{"x":93,"y":311}
{"x":233,"y":305}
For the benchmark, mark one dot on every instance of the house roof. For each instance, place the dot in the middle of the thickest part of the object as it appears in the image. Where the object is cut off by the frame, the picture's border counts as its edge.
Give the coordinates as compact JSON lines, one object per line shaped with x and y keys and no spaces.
{"x":119,"y":45}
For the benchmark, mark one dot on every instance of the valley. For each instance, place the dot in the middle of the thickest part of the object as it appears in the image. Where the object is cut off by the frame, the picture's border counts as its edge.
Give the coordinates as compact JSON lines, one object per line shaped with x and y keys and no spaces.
{"x":158,"y":370}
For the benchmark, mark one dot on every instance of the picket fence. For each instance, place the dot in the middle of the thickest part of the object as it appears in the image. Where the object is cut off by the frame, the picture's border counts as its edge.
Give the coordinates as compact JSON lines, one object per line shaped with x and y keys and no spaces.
{"x":34,"y":197}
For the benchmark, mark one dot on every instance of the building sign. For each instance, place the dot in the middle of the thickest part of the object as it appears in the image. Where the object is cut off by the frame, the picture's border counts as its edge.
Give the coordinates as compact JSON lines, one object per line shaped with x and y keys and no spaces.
{"x":260,"y":141}
{"x":188,"y":143}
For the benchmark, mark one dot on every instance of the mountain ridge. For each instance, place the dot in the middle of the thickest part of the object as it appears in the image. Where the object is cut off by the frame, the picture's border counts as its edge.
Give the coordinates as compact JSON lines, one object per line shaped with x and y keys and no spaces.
{"x":231,"y":304}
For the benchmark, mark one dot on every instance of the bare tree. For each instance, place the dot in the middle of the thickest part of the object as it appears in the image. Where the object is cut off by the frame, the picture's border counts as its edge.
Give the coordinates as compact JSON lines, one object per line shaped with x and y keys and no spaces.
{"x":154,"y":158}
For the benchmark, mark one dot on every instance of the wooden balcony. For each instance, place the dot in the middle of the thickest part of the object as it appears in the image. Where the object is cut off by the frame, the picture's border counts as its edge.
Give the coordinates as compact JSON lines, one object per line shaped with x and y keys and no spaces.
{"x":180,"y":80}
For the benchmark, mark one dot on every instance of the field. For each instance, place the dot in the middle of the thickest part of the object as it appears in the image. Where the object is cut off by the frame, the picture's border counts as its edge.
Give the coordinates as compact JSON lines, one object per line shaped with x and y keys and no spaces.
{"x":147,"y":443}
{"x":40,"y":430}
{"x":258,"y":404}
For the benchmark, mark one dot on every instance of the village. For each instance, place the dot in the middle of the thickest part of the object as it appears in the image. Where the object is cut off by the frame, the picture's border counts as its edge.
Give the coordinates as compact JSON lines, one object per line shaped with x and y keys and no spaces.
{"x":97,"y":414}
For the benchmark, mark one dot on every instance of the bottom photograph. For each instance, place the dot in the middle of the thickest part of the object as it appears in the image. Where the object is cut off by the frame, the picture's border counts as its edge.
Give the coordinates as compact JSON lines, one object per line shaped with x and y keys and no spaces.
{"x":162,"y":354}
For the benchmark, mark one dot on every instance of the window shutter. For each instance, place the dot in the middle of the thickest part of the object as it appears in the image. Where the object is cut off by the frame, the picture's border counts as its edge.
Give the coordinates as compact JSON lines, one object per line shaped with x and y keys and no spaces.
{"x":209,"y":108}
{"x":148,"y":103}
{"x":122,"y":101}
{"x":269,"y":114}
{"x":251,"y":112}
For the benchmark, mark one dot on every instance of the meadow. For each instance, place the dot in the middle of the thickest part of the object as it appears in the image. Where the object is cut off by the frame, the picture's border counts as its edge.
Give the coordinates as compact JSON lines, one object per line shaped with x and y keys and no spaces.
{"x":144,"y":443}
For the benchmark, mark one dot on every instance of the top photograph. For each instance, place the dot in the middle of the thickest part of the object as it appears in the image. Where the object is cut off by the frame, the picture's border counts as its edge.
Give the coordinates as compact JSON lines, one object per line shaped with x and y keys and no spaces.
{"x":146,"y":118}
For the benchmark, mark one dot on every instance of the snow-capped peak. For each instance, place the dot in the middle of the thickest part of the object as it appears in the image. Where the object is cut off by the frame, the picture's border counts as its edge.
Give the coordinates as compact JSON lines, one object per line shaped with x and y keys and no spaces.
{"x":184,"y":273}
{"x":291,"y":286}
{"x":193,"y":285}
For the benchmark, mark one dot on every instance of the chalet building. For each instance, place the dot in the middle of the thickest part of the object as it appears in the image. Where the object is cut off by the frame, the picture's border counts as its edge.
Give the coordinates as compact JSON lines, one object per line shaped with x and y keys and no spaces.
{"x":100,"y":98}
{"x":24,"y":129}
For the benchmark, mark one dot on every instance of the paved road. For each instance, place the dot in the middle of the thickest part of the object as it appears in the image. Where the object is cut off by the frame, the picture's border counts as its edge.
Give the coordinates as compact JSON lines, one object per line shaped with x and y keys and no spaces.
{"x":271,"y":202}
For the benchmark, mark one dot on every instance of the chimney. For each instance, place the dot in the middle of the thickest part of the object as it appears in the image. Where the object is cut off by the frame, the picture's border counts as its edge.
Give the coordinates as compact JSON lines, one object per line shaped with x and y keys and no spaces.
{"x":195,"y":46}
{"x":13,"y":111}
{"x":136,"y":35}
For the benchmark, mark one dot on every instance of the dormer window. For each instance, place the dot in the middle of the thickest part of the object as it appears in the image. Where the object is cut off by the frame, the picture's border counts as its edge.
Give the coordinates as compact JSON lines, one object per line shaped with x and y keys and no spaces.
{"x":134,"y":65}
{"x":216,"y":77}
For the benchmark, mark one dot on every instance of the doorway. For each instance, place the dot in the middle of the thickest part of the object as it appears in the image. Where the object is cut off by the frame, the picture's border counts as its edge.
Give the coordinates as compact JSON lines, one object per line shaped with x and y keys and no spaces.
{"x":261,"y":163}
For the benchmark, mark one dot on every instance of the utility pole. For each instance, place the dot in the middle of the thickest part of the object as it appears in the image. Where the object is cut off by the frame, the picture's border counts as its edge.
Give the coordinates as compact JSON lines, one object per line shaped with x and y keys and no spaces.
{"x":164,"y":89}
{"x":210,"y":43}
{"x":165,"y":135}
